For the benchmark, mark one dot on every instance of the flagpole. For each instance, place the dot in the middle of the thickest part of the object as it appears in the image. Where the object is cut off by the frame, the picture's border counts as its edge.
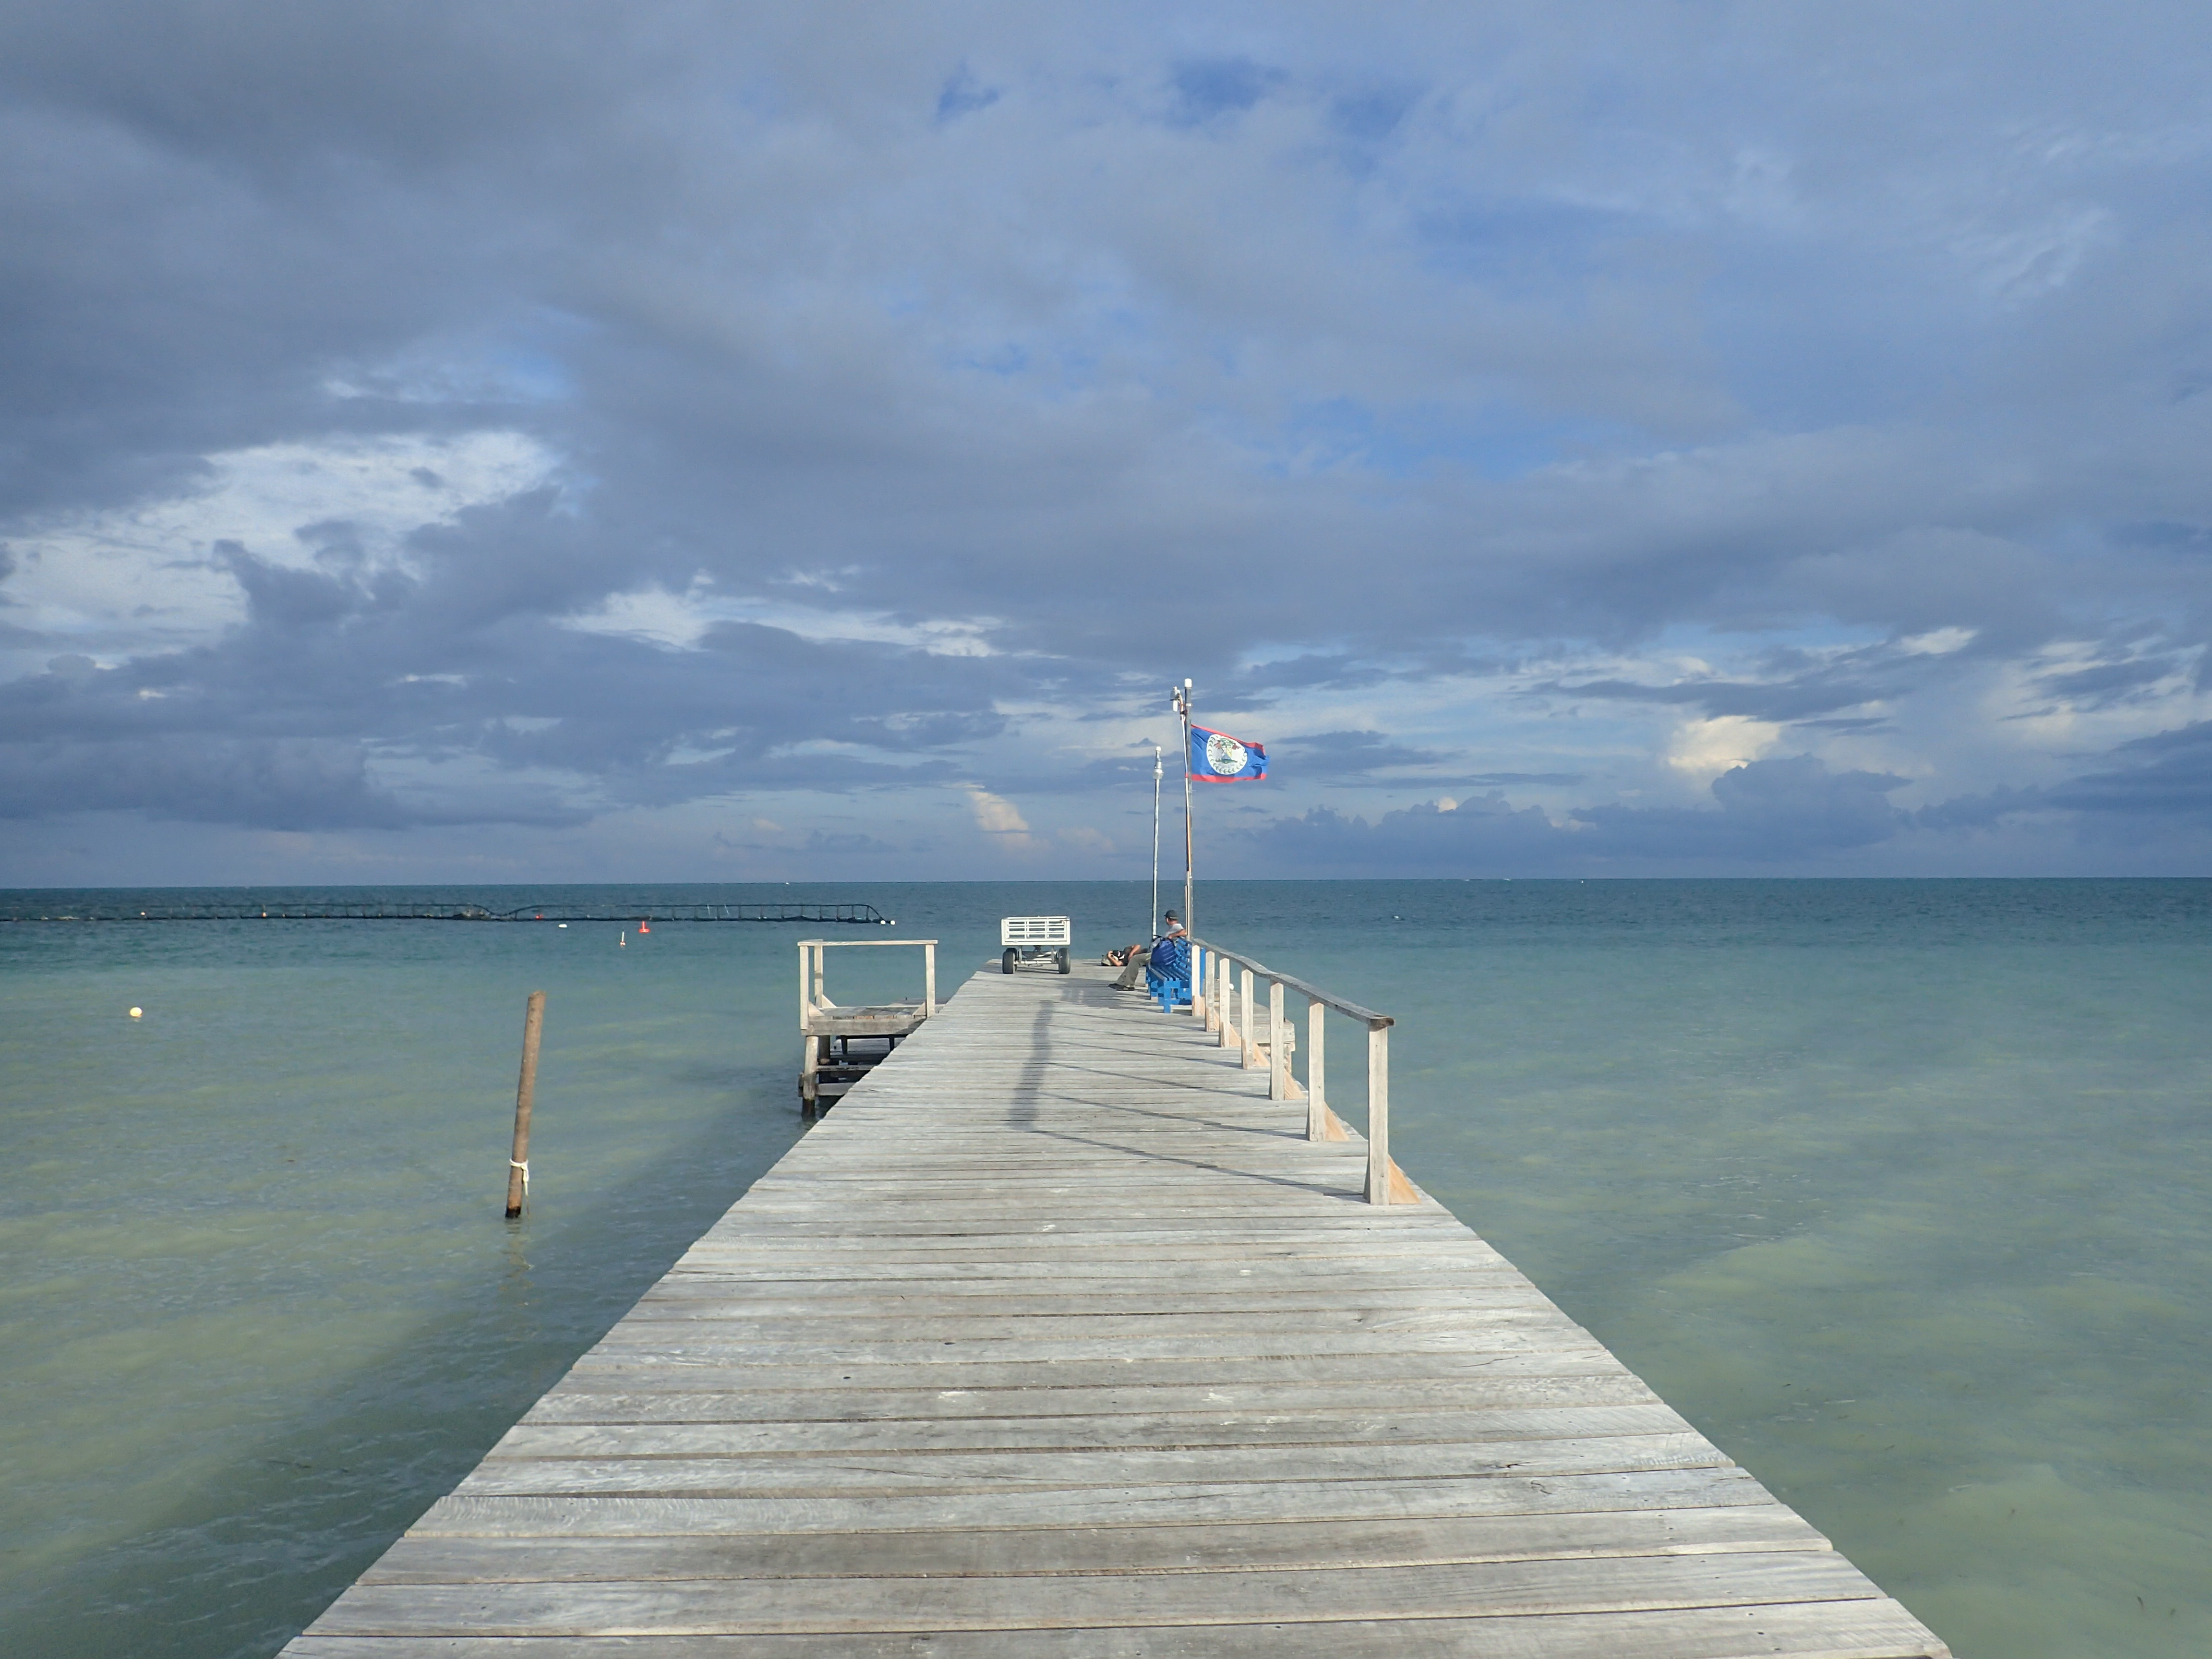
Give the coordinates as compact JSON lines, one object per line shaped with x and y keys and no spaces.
{"x":1183,"y":707}
{"x":1152,"y":921}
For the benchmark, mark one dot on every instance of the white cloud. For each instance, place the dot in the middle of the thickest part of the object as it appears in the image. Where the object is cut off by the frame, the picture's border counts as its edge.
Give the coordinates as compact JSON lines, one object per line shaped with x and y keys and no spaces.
{"x":150,"y":576}
{"x":1937,"y":642}
{"x":1703,"y":748}
{"x":681,"y":620}
{"x":998,"y":818}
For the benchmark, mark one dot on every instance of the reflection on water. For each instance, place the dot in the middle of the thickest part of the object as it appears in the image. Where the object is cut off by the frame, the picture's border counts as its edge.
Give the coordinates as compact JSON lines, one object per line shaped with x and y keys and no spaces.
{"x":1897,"y":1189}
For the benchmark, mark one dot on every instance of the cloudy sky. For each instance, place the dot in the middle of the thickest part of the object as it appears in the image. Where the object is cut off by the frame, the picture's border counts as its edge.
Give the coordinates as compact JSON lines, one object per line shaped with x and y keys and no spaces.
{"x":472,"y":441}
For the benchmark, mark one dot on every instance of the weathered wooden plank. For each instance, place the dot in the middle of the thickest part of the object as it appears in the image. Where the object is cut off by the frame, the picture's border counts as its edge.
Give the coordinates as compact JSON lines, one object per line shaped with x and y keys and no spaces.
{"x":1522,"y":1334}
{"x":1281,"y":1545}
{"x":601,"y":1399}
{"x":1049,"y":1248}
{"x":687,"y":1321}
{"x":1313,"y":1220}
{"x":1077,"y":1601}
{"x":470,"y":1514}
{"x":1183,"y":1431}
{"x":1875,"y":1629}
{"x":1078,"y":1277}
{"x":1362,"y":1368}
{"x":860,"y":1471}
{"x":682,"y":1304}
{"x":654,"y":1368}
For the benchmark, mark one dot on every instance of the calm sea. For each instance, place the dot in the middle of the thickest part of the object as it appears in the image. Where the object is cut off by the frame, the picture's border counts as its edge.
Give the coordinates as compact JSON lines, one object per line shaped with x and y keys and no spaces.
{"x":1898,"y":1189}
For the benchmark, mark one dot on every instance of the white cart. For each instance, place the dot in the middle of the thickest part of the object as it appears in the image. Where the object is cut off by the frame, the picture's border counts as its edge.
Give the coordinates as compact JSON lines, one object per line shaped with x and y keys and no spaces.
{"x":1034,"y":938}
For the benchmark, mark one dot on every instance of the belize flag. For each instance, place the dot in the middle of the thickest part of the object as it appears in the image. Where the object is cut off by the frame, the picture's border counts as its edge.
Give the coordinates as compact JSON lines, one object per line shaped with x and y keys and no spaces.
{"x":1217,"y":758}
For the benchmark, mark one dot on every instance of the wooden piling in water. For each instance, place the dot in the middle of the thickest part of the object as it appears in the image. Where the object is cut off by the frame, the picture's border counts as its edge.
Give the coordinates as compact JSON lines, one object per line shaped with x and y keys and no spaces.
{"x":517,"y":1161}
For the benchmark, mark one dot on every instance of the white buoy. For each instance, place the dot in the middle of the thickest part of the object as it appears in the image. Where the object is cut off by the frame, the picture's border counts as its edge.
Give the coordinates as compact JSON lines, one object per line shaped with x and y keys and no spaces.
{"x":137,"y":1013}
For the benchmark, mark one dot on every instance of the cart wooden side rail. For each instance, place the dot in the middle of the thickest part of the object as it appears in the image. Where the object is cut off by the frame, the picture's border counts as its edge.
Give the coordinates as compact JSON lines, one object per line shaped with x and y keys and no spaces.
{"x":1223,"y":998}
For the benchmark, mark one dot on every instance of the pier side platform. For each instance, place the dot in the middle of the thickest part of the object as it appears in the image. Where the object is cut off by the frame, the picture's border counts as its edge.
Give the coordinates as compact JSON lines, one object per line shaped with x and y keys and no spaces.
{"x":1056,"y":1337}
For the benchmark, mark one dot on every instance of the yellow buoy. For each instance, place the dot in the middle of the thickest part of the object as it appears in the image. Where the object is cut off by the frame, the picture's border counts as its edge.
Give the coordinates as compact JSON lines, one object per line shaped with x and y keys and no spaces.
{"x":136,"y":1013}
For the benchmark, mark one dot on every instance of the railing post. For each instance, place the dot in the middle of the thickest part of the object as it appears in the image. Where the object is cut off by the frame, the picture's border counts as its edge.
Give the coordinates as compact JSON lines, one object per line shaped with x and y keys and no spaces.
{"x":1378,"y":1114}
{"x":929,"y":979}
{"x":1316,"y":1106}
{"x":805,"y":981}
{"x":1223,"y":978}
{"x":1197,"y":981}
{"x":1278,"y":1055}
{"x":1250,"y":1056}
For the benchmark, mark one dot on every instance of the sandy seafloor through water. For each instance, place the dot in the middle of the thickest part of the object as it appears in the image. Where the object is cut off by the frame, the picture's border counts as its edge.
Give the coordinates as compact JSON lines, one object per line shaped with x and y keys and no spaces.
{"x":1898,"y":1190}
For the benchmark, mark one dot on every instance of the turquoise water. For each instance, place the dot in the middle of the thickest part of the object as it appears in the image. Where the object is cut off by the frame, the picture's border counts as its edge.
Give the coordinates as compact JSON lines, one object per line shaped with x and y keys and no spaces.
{"x":1897,"y":1189}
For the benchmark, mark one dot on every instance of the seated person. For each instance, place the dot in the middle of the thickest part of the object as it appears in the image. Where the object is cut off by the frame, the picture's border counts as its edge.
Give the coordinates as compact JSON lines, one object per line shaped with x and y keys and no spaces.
{"x":1169,"y":965}
{"x":1138,"y":956}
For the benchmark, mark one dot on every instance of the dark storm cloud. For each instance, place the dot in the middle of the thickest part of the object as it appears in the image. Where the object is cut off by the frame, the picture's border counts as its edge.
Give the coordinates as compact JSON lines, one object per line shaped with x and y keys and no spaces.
{"x":445,"y":666}
{"x":2169,"y":773}
{"x":1332,"y":754}
{"x":2102,"y":685}
{"x":1793,"y":813}
{"x":1794,"y":686}
{"x":260,"y":783}
{"x":1770,"y":809}
{"x":1336,"y":671}
{"x":1778,"y":811}
{"x":1787,"y":701}
{"x":1304,"y":356}
{"x":2148,"y":784}
{"x":1365,"y":759}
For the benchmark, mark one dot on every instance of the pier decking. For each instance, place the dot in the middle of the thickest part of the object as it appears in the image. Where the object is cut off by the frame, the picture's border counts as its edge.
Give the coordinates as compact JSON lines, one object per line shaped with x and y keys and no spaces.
{"x":1058,"y":1338}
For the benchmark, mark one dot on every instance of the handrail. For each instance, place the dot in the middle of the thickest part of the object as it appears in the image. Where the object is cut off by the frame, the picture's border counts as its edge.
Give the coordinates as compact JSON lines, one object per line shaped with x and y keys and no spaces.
{"x":1212,"y":998}
{"x":1289,"y":982}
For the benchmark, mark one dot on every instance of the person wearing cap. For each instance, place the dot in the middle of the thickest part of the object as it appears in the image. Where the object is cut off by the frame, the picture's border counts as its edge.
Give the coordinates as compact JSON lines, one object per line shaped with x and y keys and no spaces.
{"x":1138,"y":957}
{"x":1167,"y":966}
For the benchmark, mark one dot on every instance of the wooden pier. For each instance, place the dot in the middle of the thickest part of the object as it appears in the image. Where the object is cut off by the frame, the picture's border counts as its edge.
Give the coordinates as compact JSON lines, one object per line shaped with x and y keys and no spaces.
{"x":1060,"y":1336}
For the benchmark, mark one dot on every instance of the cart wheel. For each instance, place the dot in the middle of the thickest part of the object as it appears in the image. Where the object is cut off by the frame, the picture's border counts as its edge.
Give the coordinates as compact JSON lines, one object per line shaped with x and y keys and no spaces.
{"x":1006,"y":962}
{"x":1061,"y":956}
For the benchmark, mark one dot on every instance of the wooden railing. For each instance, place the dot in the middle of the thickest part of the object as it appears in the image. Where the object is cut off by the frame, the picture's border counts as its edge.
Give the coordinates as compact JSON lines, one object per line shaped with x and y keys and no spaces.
{"x":814,"y":969}
{"x":1218,"y":991}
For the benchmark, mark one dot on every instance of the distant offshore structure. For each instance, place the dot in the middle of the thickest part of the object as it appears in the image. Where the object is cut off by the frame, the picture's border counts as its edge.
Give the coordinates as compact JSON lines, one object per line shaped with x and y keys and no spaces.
{"x":856,"y":915}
